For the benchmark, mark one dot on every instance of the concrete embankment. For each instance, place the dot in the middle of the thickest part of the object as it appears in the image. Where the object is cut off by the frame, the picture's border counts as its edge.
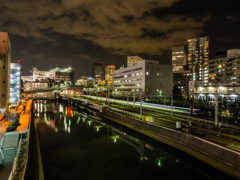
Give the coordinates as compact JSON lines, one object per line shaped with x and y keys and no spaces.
{"x":34,"y":169}
{"x":221,"y":158}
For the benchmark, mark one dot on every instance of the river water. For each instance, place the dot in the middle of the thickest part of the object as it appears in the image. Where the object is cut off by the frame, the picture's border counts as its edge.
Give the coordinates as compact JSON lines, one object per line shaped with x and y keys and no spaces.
{"x":76,"y":147}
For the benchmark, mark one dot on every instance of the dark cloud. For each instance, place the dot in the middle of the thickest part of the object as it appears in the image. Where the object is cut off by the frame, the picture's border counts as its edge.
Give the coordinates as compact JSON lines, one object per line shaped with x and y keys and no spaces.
{"x":110,"y":24}
{"x":66,"y":31}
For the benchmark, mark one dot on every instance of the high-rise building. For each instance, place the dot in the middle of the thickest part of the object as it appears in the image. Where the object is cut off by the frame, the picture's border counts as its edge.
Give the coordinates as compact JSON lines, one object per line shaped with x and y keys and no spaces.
{"x":198,"y":56}
{"x":181,"y":74}
{"x":97,"y":71}
{"x":5,"y":59}
{"x":179,"y":59}
{"x":15,"y":83}
{"x":109,"y":72}
{"x":132,"y":60}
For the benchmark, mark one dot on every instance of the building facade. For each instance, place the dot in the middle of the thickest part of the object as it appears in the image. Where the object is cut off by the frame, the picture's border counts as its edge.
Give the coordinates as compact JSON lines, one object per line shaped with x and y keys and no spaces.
{"x":224,"y":78}
{"x":42,"y":75}
{"x":198,"y":56}
{"x":147,"y":76}
{"x":181,"y":73}
{"x":132,"y":60}
{"x":109,"y":74}
{"x":179,"y":59}
{"x":65,"y":75}
{"x":82,"y":81}
{"x":15,"y":83}
{"x":225,"y":71}
{"x":5,"y":59}
{"x":98,"y":71}
{"x":27,"y":79}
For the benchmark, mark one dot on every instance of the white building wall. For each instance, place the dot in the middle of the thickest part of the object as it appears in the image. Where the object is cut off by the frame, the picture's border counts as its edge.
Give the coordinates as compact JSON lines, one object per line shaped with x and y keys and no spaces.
{"x":147,"y":76}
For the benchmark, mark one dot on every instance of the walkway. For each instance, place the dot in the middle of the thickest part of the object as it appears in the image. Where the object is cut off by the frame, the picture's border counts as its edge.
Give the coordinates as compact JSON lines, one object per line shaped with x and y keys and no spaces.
{"x":24,"y":120}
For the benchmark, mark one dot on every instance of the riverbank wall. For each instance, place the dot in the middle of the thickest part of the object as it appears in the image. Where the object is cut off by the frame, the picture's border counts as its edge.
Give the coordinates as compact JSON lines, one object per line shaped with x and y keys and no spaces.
{"x":215,"y":155}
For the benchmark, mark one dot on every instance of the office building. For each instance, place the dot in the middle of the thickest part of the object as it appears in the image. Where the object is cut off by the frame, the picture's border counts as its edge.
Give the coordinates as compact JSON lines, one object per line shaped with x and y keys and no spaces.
{"x":82,"y":81}
{"x":147,"y":76}
{"x":15,"y":83}
{"x":179,"y":59}
{"x":5,"y":59}
{"x":64,"y":75}
{"x":109,"y":74}
{"x":98,"y":71}
{"x":132,"y":60}
{"x":181,"y":79}
{"x":27,"y":79}
{"x":181,"y":73}
{"x":42,"y":75}
{"x":198,"y":56}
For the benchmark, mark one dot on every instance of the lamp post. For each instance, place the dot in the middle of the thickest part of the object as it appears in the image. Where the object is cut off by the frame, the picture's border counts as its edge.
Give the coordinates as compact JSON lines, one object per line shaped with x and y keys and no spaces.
{"x":216,"y":108}
{"x":172,"y":103}
{"x":141,"y":106}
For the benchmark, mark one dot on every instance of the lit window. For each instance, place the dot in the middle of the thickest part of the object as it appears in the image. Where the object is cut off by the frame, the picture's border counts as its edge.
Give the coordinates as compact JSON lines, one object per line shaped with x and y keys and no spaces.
{"x":147,"y":73}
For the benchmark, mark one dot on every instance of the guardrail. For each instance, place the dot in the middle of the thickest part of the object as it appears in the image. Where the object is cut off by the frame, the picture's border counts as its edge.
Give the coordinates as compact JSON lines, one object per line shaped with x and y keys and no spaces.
{"x":219,"y":124}
{"x":20,"y":161}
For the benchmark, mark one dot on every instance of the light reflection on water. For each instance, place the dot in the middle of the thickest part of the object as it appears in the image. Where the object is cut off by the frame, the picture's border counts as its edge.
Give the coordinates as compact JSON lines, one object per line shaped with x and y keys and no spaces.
{"x":68,"y":137}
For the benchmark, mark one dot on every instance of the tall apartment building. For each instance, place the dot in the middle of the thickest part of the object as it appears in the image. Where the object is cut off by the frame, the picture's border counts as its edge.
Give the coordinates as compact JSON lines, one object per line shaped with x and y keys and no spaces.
{"x":5,"y":59}
{"x":224,"y":78}
{"x":225,"y":71}
{"x":132,"y":60}
{"x":97,"y":71}
{"x":146,"y":76}
{"x":198,"y":56}
{"x":15,"y":83}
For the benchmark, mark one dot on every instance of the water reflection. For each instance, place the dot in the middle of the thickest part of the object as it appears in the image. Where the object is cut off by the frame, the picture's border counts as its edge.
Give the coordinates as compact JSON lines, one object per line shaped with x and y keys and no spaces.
{"x":114,"y":149}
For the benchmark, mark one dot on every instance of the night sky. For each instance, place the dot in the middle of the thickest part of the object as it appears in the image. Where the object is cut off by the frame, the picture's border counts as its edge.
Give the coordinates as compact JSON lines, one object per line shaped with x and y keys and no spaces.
{"x":63,"y":33}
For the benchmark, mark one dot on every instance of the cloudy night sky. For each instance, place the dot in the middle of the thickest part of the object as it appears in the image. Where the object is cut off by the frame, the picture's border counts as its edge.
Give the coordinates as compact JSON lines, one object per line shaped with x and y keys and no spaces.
{"x":50,"y":33}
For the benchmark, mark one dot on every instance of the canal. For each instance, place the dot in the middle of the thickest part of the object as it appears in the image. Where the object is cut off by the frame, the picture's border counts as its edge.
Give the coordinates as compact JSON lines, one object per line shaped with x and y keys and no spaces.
{"x":74,"y":146}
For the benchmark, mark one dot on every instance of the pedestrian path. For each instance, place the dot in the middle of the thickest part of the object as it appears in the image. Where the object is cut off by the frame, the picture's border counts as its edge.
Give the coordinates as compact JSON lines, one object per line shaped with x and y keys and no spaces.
{"x":11,"y":142}
{"x":25,"y":118}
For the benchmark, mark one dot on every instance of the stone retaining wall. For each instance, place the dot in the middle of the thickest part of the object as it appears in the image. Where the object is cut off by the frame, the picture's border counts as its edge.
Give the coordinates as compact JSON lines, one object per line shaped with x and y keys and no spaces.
{"x":221,"y":153}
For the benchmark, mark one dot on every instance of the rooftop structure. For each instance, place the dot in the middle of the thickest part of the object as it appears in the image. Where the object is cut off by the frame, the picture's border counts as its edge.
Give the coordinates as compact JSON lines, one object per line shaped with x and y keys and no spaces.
{"x":132,"y":60}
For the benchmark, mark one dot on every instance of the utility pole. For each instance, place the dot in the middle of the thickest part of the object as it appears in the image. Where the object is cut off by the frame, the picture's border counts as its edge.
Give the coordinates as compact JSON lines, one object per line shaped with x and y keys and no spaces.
{"x":172,"y":103}
{"x":216,"y":108}
{"x":133,"y":100}
{"x":87,"y":94}
{"x":164,"y":96}
{"x":108,"y":96}
{"x":141,"y":106}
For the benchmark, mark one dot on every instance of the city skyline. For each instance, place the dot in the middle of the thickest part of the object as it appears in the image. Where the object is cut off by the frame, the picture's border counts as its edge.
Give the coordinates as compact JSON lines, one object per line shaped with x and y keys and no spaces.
{"x":61,"y":33}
